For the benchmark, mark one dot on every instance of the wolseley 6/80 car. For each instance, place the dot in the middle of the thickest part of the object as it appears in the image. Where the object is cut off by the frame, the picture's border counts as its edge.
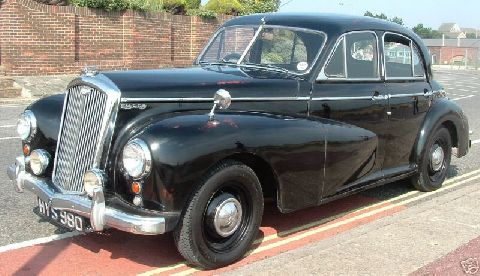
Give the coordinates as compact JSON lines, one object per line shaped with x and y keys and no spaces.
{"x":301,"y":108}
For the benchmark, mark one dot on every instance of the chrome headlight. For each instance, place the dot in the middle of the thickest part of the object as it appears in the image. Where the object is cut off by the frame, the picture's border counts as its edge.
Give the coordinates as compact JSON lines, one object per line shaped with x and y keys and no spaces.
{"x":26,"y":125}
{"x":39,"y":160}
{"x":136,"y":159}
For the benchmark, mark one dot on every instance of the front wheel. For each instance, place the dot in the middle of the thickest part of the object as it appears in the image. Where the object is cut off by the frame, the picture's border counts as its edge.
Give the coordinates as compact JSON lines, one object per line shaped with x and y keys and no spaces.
{"x":222,"y":217}
{"x":435,"y":162}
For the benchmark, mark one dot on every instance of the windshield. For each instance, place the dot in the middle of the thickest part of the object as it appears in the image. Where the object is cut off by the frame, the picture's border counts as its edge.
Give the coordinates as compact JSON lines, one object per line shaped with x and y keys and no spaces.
{"x":286,"y":48}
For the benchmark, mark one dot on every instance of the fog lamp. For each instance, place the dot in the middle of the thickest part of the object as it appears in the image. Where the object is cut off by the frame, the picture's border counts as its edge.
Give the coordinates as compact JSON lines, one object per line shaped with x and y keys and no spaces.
{"x":93,"y":179}
{"x":39,"y":160}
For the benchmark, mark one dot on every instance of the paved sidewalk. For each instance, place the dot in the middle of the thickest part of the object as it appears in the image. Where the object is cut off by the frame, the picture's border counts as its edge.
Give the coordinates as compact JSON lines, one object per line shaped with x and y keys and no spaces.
{"x":395,"y":245}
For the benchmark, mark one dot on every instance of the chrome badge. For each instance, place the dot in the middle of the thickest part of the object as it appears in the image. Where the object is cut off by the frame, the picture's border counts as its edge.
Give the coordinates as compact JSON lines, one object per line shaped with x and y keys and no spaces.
{"x":128,"y":106}
{"x":89,"y":71}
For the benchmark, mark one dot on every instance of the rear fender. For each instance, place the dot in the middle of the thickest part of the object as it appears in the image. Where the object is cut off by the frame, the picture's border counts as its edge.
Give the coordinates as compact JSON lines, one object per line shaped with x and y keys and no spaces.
{"x":447,"y":113}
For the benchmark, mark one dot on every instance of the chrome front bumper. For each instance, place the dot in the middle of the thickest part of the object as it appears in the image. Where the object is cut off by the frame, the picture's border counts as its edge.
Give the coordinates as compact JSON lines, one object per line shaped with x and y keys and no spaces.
{"x":100,"y":215}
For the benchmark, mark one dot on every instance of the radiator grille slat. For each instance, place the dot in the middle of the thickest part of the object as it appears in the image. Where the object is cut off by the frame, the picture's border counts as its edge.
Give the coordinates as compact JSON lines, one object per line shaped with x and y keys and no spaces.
{"x":81,"y":132}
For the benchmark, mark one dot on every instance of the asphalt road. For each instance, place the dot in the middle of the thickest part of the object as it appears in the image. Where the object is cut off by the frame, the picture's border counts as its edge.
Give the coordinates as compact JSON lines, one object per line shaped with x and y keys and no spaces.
{"x":18,"y":223}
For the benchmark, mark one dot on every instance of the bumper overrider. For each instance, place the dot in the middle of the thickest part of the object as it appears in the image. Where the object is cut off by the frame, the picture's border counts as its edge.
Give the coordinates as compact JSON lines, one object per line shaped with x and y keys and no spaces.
{"x":100,"y":215}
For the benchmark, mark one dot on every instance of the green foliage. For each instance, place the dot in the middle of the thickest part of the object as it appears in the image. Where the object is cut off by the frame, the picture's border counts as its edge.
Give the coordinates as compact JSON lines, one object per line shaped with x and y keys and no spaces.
{"x":201,"y":12}
{"x":425,"y":32}
{"x":120,"y":5}
{"x":230,"y":7}
{"x":395,"y":19}
{"x":471,"y":35}
{"x":175,"y":6}
{"x":259,"y":6}
{"x":193,"y":4}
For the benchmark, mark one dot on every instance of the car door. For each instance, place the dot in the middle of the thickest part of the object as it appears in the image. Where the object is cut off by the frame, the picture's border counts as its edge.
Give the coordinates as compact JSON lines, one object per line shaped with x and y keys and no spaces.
{"x":409,"y":100}
{"x":350,"y":94}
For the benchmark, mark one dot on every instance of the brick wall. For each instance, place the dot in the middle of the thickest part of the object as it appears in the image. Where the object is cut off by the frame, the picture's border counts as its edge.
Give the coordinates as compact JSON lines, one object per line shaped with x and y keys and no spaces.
{"x":37,"y":39}
{"x":450,"y":55}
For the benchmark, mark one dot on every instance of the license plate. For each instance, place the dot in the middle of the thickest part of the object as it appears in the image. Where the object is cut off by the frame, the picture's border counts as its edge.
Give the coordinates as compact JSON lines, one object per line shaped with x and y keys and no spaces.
{"x":67,"y":219}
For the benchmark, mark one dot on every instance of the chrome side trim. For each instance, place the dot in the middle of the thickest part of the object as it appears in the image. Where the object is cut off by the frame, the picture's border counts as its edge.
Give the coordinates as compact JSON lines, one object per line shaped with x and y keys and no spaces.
{"x":100,"y":215}
{"x":410,"y":95}
{"x":195,"y":100}
{"x":341,"y":98}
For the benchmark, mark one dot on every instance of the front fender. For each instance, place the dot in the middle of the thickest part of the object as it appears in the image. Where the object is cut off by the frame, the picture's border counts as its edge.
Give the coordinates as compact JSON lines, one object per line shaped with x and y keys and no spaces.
{"x":185,"y":146}
{"x":448,"y":113}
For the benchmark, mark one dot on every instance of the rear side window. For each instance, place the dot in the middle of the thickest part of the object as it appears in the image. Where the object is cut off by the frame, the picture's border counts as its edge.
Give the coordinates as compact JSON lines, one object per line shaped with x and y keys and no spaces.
{"x":355,"y":57}
{"x":418,"y":70}
{"x":402,"y":59}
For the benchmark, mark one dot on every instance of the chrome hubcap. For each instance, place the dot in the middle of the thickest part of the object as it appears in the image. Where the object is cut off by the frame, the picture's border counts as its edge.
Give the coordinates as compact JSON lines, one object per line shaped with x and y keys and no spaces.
{"x":436,"y":158}
{"x":228,"y":216}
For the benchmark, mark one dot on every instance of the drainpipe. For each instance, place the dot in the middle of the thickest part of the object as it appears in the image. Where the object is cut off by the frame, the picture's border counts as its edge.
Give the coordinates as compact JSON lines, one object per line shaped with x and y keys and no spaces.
{"x":443,"y":40}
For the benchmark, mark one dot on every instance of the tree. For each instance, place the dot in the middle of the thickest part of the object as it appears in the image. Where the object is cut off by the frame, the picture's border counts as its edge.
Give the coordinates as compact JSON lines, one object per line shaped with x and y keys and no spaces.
{"x":425,"y":32}
{"x":259,"y":6}
{"x":383,"y":16}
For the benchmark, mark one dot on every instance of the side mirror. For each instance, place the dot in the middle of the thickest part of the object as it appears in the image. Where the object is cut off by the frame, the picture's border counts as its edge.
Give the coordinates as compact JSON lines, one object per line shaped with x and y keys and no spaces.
{"x":222,"y":99}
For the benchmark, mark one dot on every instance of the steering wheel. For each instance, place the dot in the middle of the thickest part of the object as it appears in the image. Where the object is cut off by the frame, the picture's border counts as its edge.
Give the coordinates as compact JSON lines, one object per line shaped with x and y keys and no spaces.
{"x":232,"y":57}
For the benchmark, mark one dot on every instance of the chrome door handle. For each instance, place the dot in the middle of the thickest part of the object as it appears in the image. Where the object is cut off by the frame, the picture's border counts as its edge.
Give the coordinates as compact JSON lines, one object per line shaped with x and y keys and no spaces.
{"x":379,"y":97}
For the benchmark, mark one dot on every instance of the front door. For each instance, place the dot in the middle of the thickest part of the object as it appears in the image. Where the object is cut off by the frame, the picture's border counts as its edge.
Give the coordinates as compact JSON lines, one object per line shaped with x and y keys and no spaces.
{"x":351,"y":95}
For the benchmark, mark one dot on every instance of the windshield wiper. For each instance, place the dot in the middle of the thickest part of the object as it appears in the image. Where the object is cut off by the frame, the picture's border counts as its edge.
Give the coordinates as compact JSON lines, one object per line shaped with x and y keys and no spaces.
{"x":269,"y":67}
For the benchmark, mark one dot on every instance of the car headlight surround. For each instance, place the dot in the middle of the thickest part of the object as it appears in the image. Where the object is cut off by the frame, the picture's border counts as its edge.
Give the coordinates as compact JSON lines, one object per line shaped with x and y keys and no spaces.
{"x":137,"y":159}
{"x":26,"y":125}
{"x":39,"y":160}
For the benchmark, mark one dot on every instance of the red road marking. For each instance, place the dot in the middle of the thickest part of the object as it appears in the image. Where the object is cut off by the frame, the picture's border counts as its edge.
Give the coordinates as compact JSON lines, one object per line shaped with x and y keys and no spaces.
{"x":451,"y":264}
{"x":117,"y":252}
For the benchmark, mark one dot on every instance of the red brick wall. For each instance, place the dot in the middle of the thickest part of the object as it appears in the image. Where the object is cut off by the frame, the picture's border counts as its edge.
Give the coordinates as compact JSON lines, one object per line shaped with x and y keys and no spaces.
{"x":37,"y":39}
{"x":448,"y":54}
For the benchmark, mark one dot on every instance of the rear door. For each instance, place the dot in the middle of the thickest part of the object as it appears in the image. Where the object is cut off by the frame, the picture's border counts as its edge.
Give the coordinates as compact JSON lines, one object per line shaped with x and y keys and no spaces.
{"x":409,"y":100}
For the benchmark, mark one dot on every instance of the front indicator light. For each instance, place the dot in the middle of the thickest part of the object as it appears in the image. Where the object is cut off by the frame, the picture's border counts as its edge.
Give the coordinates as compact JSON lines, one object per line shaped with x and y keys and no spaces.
{"x":93,"y":179}
{"x":136,"y":188}
{"x":26,"y":150}
{"x":39,"y":161}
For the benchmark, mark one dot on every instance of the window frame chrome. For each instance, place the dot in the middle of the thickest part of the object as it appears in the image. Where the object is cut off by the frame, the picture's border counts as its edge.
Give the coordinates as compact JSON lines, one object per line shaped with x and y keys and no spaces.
{"x":260,"y":28}
{"x":421,"y":60}
{"x":323,"y":77}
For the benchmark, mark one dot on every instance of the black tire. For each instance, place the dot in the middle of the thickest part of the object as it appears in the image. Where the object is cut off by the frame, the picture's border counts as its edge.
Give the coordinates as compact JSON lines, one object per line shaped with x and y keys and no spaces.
{"x":429,"y":179}
{"x":195,"y":236}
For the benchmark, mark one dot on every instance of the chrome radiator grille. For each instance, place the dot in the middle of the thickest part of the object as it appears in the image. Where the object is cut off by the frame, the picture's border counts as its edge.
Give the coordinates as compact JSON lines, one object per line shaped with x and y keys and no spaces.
{"x":82,"y":133}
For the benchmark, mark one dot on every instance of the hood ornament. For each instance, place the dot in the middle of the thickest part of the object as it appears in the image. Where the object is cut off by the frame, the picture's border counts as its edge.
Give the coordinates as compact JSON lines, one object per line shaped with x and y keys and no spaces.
{"x":89,"y":71}
{"x":222,"y":99}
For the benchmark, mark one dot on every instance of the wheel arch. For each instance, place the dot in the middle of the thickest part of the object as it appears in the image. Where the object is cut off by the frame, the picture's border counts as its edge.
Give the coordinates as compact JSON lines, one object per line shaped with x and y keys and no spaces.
{"x":448,"y":114}
{"x":264,"y":171}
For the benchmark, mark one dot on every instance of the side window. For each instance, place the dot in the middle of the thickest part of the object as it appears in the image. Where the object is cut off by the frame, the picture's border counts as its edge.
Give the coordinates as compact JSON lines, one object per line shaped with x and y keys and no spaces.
{"x":336,"y":65}
{"x":418,"y":70}
{"x":399,"y":64}
{"x":358,"y":52}
{"x":362,"y":56}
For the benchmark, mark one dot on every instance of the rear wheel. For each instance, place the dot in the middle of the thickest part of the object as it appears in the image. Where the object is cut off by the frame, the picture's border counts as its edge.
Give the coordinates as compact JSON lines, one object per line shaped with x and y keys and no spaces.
{"x":435,"y":162}
{"x":222,"y":218}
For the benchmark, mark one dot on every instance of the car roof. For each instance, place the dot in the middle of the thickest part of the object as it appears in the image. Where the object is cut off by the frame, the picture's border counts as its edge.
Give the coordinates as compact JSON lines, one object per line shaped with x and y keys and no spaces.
{"x":331,"y":24}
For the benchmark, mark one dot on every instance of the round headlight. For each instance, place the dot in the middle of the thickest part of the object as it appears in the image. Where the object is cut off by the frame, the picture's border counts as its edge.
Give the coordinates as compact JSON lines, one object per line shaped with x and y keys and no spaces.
{"x":39,"y":160}
{"x":91,"y":180}
{"x":136,"y":159}
{"x":26,"y":125}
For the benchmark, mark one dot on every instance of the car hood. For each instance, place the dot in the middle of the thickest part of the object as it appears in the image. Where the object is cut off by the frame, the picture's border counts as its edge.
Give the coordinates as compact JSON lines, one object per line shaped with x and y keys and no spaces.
{"x":199,"y":82}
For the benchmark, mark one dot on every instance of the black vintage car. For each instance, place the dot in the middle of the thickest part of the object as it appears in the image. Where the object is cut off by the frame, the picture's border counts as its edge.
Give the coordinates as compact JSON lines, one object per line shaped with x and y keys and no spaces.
{"x":301,"y":108}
